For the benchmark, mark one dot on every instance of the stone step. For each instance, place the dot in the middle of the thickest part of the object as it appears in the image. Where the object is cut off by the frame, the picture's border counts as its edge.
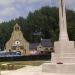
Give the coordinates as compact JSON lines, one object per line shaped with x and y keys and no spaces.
{"x":69,"y":55}
{"x":66,"y":59}
{"x":69,"y":51}
{"x":64,"y":47}
{"x":65,"y":51}
{"x":59,"y":68}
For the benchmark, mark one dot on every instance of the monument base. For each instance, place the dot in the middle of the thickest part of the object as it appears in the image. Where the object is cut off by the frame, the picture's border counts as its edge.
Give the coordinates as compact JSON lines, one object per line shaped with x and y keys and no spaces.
{"x":64,"y":52}
{"x":58,"y":68}
{"x":63,"y":46}
{"x":63,"y":59}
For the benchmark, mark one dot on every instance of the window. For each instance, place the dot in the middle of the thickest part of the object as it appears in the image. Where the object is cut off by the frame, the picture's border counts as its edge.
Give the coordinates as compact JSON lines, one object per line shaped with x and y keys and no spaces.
{"x":17,"y":28}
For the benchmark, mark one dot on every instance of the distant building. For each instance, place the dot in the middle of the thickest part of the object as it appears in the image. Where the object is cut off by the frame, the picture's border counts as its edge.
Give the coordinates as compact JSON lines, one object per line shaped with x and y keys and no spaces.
{"x":33,"y":46}
{"x":17,"y":42}
{"x":44,"y":45}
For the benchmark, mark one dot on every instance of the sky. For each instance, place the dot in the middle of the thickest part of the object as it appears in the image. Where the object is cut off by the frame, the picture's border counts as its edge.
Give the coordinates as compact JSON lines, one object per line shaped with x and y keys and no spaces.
{"x":11,"y":9}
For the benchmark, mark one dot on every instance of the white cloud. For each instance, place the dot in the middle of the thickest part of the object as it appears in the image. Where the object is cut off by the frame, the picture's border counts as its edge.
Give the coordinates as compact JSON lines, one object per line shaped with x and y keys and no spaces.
{"x":28,"y":1}
{"x":6,"y":2}
{"x":70,"y":4}
{"x":8,"y":14}
{"x":7,"y":11}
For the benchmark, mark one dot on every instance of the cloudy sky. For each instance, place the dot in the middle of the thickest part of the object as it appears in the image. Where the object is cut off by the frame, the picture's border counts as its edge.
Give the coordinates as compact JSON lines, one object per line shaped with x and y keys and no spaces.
{"x":11,"y":9}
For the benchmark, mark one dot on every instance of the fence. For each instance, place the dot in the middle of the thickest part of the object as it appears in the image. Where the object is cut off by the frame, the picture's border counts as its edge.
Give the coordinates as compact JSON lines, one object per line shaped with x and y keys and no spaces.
{"x":26,"y":58}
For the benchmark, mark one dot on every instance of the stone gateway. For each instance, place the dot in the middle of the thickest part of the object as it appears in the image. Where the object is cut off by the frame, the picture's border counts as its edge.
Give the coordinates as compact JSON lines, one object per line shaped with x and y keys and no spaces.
{"x":17,"y":42}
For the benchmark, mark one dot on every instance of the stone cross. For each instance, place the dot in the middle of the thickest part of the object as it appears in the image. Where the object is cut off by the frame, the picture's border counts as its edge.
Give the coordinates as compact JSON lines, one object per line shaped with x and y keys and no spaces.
{"x":63,"y":36}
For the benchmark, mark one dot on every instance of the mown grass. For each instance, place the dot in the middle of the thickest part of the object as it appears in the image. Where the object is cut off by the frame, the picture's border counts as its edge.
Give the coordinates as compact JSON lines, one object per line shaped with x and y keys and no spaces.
{"x":18,"y":64}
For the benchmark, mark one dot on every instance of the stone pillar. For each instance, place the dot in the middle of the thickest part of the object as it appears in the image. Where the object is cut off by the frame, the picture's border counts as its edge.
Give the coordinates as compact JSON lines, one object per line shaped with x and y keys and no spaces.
{"x":63,"y":36}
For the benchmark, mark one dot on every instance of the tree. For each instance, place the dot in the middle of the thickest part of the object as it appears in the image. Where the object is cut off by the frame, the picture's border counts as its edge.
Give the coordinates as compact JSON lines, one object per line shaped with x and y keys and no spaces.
{"x":47,"y":21}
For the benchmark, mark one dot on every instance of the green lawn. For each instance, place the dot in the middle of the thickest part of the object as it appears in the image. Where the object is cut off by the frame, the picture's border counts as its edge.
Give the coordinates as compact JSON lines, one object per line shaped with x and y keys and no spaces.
{"x":18,"y":64}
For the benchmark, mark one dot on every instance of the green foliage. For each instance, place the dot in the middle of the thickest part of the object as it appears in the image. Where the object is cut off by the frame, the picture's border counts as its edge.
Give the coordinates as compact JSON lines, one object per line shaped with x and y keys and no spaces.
{"x":45,"y":20}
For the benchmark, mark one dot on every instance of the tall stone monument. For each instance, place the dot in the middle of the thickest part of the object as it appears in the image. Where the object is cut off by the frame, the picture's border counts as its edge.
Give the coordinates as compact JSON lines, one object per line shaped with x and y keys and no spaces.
{"x":63,"y":60}
{"x":63,"y":48}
